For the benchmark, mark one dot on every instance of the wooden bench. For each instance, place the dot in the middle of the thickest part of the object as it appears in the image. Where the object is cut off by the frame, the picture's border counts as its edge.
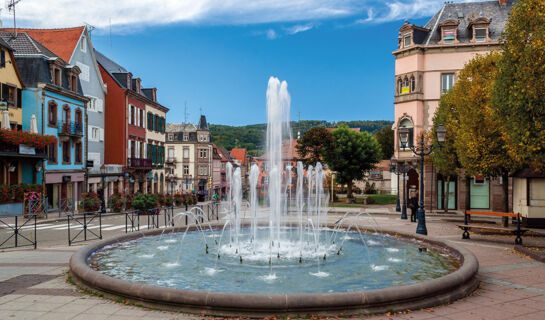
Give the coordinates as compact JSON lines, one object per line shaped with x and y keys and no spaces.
{"x":518,"y":231}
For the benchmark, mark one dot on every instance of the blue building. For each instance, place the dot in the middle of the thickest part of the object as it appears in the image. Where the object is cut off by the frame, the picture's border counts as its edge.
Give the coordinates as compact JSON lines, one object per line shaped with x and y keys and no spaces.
{"x":53,"y":94}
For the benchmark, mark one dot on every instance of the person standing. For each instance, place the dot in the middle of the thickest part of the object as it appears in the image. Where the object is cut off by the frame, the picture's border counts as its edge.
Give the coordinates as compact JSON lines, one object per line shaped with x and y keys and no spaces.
{"x":413,"y":204}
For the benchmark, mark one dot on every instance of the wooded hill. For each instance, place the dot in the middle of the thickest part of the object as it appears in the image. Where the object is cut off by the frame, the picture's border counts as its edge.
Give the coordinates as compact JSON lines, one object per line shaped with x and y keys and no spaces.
{"x":252,"y":137}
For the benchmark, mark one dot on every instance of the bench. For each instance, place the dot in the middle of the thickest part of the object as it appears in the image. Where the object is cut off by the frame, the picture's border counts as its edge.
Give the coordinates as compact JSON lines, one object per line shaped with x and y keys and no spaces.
{"x":518,"y":231}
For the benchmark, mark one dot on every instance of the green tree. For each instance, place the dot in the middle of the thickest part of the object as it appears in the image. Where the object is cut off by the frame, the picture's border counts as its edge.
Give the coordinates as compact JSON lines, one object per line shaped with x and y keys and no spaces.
{"x":519,"y":91}
{"x":314,"y":144}
{"x":445,"y":159}
{"x":385,"y":137}
{"x":353,"y":154}
{"x":479,"y":141}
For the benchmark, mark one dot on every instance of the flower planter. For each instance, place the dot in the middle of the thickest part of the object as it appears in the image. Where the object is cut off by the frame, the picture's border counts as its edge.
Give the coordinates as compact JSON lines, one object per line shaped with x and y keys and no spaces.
{"x":11,"y":209}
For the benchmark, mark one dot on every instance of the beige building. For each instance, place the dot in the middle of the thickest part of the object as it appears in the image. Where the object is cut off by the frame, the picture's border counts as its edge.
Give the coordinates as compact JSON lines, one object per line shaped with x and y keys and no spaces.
{"x":529,"y":197}
{"x":156,"y":139}
{"x":427,"y":61}
{"x":190,"y":154}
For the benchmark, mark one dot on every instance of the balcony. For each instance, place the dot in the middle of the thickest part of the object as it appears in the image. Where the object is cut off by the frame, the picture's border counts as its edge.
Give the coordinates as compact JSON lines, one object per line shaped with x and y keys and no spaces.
{"x":171,"y":160}
{"x":21,"y":151}
{"x":72,"y":129}
{"x":139,"y":163}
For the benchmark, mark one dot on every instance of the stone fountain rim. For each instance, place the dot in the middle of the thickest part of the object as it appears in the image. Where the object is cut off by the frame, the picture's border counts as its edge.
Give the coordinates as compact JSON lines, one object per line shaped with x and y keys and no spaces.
{"x":445,"y":289}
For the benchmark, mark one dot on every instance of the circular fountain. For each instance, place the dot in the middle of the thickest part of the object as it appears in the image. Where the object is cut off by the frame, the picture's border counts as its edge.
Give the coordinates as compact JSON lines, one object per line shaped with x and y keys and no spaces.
{"x":285,"y":258}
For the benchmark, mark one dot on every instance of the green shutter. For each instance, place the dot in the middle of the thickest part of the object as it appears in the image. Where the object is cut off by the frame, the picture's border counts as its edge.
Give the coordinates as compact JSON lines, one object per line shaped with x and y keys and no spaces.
{"x":149,"y":149}
{"x":153,"y":153}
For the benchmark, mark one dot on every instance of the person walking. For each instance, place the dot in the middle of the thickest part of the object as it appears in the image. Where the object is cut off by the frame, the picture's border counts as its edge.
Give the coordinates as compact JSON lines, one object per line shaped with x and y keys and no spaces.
{"x":413,"y":204}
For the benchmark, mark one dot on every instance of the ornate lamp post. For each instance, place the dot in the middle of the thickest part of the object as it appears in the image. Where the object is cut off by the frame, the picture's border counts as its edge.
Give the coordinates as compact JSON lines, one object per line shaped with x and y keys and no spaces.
{"x":421,"y":151}
{"x":400,"y":168}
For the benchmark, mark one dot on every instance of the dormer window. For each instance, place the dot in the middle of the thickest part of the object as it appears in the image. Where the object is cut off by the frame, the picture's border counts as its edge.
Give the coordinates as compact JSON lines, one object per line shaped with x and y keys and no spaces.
{"x":74,"y":83}
{"x":449,"y":35}
{"x":480,"y":34}
{"x":449,"y":31}
{"x":57,"y":80}
{"x":407,"y":39}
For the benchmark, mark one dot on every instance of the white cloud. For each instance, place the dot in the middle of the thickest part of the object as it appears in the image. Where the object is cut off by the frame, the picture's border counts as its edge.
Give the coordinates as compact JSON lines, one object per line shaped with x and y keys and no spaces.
{"x":299,"y":28}
{"x":126,"y":15}
{"x":271,"y":34}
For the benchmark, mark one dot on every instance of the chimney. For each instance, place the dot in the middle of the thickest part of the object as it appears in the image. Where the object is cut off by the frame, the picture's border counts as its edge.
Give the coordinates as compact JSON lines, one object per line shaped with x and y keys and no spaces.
{"x":503,"y":2}
{"x":154,"y":93}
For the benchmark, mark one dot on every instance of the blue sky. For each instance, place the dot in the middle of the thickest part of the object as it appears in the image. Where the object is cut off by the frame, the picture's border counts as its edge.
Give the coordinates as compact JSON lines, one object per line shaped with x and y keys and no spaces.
{"x":218,"y":55}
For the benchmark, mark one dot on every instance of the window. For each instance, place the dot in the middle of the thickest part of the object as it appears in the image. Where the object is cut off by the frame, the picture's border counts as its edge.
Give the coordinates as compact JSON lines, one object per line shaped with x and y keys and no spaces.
{"x":83,"y":45}
{"x":95,"y":134}
{"x":407,"y":123}
{"x":405,"y":86}
{"x":413,"y":84}
{"x":449,"y":36}
{"x":480,"y":34}
{"x":141,"y":118}
{"x":131,"y":118}
{"x":74,"y":83}
{"x":186,"y":169}
{"x":149,"y":121}
{"x":203,"y":171}
{"x":186,"y":136}
{"x":78,"y":118}
{"x":78,"y":152}
{"x":171,"y":153}
{"x":2,"y":59}
{"x":52,"y":114}
{"x":406,"y":39}
{"x":65,"y":114}
{"x":66,"y":152}
{"x":447,"y":81}
{"x":186,"y":153}
{"x":52,"y":153}
{"x":203,"y":153}
{"x":399,"y":85}
{"x":171,"y":137}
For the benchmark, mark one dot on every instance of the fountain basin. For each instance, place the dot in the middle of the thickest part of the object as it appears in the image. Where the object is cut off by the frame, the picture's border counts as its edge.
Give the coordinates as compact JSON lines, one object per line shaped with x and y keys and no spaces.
{"x":423,"y":294}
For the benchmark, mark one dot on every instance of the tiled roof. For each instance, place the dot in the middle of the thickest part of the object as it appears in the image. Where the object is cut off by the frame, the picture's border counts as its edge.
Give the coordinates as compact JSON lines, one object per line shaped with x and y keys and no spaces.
{"x":5,"y":44}
{"x":465,"y":13}
{"x":181,"y":127}
{"x":24,"y":44}
{"x":60,"y":41}
{"x":239,"y":154}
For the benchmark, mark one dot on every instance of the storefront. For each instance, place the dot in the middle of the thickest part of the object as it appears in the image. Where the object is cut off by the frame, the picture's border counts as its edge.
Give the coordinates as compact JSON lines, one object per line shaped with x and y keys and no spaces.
{"x":64,"y":188}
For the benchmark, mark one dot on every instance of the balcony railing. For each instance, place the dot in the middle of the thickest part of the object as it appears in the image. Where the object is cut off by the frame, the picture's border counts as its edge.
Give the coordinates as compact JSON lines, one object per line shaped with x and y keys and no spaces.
{"x":71,"y":129}
{"x":171,"y":160}
{"x":7,"y":149}
{"x":139,"y":163}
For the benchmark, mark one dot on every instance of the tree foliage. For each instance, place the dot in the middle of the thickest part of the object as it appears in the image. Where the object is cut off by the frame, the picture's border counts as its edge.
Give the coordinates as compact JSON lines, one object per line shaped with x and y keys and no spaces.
{"x":445,"y":159}
{"x":353,"y":154}
{"x":519,"y":92}
{"x":385,"y":137}
{"x":480,"y":142}
{"x":314,"y":145}
{"x":252,"y":137}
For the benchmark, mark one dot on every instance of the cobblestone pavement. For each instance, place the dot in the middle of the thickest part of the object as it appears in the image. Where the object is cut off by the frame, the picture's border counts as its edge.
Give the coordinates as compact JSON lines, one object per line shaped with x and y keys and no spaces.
{"x":33,"y":283}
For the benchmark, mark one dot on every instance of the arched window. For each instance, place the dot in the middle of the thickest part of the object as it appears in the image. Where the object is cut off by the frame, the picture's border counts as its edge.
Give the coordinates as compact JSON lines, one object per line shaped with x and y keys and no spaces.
{"x":413,"y":84}
{"x":405,"y":86}
{"x":407,"y":123}
{"x":399,"y":85}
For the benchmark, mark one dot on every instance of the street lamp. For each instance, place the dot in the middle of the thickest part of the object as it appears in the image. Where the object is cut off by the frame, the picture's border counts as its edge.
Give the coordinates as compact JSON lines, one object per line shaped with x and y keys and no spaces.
{"x":102,"y":173}
{"x":398,"y":169}
{"x":421,"y":151}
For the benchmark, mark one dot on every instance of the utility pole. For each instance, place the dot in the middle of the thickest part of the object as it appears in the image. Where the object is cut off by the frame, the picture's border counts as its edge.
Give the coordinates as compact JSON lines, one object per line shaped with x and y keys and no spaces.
{"x":11,"y":7}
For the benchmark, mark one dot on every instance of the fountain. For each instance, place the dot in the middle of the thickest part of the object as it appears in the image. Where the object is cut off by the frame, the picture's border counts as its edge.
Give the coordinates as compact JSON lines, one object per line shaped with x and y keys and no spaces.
{"x":281,"y":258}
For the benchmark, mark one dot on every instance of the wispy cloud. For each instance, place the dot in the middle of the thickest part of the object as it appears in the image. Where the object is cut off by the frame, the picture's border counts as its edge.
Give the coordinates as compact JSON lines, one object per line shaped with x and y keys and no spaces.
{"x":129,"y":14}
{"x":299,"y":28}
{"x":271,"y":34}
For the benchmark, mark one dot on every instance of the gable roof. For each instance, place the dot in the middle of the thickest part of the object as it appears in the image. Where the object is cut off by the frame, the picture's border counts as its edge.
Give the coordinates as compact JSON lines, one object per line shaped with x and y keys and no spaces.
{"x":239,"y":154}
{"x":60,"y":41}
{"x":180,"y":127}
{"x":24,"y":44}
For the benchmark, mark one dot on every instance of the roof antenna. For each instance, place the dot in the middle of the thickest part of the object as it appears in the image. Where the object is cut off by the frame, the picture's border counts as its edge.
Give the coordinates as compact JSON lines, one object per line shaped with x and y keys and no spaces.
{"x":11,"y":7}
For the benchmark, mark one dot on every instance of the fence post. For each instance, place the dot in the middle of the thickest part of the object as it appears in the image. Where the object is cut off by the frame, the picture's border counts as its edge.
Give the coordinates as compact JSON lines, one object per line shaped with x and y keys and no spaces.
{"x":85,"y":226}
{"x":100,"y":224}
{"x":126,"y":222}
{"x":16,"y":231}
{"x":69,"y":239}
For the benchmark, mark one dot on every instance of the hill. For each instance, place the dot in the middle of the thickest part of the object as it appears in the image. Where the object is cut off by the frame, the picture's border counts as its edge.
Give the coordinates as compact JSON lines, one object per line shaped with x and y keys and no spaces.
{"x":252,"y":137}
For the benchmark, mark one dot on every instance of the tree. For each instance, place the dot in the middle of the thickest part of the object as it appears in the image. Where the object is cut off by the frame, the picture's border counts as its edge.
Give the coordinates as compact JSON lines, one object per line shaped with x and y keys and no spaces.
{"x":479,"y":140}
{"x":445,"y":159}
{"x":353,"y":154}
{"x":314,"y":144}
{"x":519,"y":91}
{"x":385,"y":137}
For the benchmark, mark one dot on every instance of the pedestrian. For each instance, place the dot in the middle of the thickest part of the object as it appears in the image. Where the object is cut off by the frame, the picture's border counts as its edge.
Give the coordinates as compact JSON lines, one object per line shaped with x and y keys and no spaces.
{"x":413,"y":204}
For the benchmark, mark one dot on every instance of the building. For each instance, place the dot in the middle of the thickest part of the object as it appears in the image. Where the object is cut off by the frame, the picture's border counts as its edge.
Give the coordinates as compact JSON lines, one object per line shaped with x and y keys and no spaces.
{"x":529,"y":197}
{"x":242,"y":161}
{"x":216,"y":172}
{"x":426,"y":63}
{"x":53,"y":95}
{"x":226,"y":157}
{"x":191,"y":151}
{"x":134,"y":131}
{"x":74,"y":46}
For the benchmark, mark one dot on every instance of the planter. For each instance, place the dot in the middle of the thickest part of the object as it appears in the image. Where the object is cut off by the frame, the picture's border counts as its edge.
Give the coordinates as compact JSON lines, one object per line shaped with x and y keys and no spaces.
{"x":11,"y":209}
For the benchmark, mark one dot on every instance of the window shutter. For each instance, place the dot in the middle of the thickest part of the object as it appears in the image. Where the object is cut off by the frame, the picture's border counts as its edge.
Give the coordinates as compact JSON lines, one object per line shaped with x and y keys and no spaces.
{"x":90,"y":133}
{"x":101,"y":134}
{"x":19,"y":98}
{"x":99,"y":105}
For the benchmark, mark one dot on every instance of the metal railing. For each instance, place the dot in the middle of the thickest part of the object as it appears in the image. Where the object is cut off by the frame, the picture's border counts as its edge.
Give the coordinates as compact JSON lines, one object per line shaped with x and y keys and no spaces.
{"x":71,"y":128}
{"x":83,"y":220}
{"x":14,"y":231}
{"x":139,"y":163}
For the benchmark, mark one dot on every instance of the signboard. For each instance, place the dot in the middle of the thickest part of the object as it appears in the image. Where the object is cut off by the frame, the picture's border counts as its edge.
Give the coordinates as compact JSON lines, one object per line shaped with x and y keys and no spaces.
{"x":24,"y":149}
{"x":90,"y":163}
{"x":405,"y":90}
{"x":3,"y":105}
{"x":66,"y":178}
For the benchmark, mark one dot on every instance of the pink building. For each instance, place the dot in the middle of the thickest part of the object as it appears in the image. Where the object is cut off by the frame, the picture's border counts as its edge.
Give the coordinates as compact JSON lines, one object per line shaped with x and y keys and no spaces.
{"x":426,"y":63}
